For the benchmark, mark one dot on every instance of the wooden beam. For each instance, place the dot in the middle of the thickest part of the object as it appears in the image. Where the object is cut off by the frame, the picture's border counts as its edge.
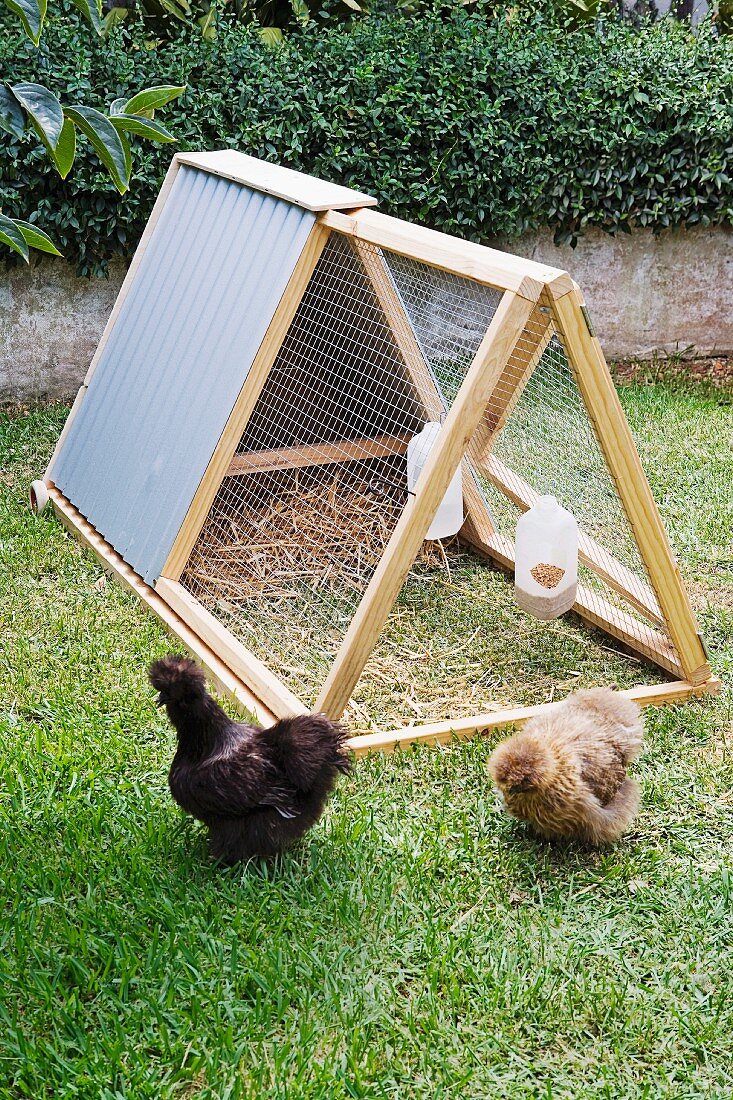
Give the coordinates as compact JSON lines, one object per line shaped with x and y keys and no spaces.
{"x":273,"y":179}
{"x":515,"y":376}
{"x":442,"y":733}
{"x":223,"y":677}
{"x":119,"y":302}
{"x":244,"y":405}
{"x":409,"y":533}
{"x":318,"y":454}
{"x":618,"y":446}
{"x":474,"y":261}
{"x":616,"y":575}
{"x":248,"y":668}
{"x":593,"y":609}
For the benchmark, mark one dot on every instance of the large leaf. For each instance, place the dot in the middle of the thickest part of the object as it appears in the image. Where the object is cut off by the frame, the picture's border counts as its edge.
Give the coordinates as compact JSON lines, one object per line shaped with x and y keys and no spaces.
{"x":271,"y":36}
{"x":113,"y":18}
{"x":12,"y":115}
{"x":143,"y":127}
{"x":152,"y":98}
{"x":36,"y":238}
{"x":63,"y":155}
{"x":112,"y":148}
{"x":179,"y":9}
{"x":91,"y":11}
{"x":32,"y":14}
{"x":11,"y":236}
{"x":44,"y":110}
{"x":207,"y":23}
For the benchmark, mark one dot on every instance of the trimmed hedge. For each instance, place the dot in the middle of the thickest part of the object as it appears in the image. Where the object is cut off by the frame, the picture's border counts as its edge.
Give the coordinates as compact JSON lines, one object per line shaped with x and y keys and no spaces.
{"x":476,"y":125}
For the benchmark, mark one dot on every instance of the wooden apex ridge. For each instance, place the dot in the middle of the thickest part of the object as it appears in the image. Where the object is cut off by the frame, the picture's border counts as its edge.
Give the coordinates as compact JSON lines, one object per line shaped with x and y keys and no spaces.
{"x":478,"y":262}
{"x":273,"y":179}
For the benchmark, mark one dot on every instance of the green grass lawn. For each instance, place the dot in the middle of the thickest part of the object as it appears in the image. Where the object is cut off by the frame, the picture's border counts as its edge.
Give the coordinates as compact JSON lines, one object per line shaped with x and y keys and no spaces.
{"x":419,"y":944}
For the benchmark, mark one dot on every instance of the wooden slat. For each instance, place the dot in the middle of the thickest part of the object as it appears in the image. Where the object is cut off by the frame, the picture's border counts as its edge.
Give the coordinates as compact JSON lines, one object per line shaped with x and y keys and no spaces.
{"x":442,"y":733}
{"x":617,"y":443}
{"x":475,"y":261}
{"x":273,"y":179}
{"x":245,"y":403}
{"x":605,"y":565}
{"x":318,"y":454}
{"x":111,"y":321}
{"x":478,"y":518}
{"x":593,"y":609}
{"x":445,"y":457}
{"x":222,"y":676}
{"x":250,"y":670}
{"x":515,"y":376}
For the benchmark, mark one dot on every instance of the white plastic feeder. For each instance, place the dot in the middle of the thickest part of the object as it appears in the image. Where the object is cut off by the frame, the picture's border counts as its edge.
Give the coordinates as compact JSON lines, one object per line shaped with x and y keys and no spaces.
{"x":448,"y":519}
{"x":546,"y":555}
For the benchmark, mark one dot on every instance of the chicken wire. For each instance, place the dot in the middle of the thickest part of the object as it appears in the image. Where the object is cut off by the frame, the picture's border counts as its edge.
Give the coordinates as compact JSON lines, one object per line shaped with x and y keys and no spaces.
{"x":535,"y":438}
{"x":379,"y":345}
{"x":318,"y":481}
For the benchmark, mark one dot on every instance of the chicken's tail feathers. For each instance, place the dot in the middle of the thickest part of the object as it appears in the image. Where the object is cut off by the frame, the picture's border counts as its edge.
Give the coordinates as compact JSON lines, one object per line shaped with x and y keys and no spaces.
{"x":607,"y":823}
{"x":178,"y":679}
{"x":309,"y":748}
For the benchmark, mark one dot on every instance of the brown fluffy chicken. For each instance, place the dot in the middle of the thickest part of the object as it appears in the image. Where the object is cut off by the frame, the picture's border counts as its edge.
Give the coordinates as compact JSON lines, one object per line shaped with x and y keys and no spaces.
{"x":565,"y":772}
{"x":257,"y":790}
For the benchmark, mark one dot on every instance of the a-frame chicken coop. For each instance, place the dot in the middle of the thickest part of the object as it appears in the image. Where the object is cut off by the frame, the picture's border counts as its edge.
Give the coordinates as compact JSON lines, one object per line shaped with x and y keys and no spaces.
{"x":237,"y":452}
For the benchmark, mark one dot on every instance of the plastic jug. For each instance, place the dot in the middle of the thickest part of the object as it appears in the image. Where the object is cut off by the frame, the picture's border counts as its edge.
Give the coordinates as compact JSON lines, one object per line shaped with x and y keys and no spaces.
{"x":546,"y":559}
{"x":448,"y":520}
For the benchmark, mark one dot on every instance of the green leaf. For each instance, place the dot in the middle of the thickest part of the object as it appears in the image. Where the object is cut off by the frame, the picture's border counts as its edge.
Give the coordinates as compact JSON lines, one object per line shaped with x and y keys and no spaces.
{"x":91,"y":11}
{"x":12,"y":115}
{"x":152,"y":98}
{"x":36,"y":238}
{"x":143,"y":127}
{"x":176,"y":9}
{"x":11,"y":236}
{"x":44,"y":110}
{"x":112,"y":148}
{"x":63,"y":155}
{"x":207,"y":23}
{"x":301,"y":11}
{"x":271,"y":36}
{"x":117,"y":106}
{"x":32,"y":14}
{"x":113,"y":18}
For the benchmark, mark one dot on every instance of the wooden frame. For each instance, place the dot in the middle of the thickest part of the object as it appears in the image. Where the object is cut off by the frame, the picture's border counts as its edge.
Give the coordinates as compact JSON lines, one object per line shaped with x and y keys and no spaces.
{"x":442,"y":733}
{"x":217,"y":668}
{"x":538,"y":302}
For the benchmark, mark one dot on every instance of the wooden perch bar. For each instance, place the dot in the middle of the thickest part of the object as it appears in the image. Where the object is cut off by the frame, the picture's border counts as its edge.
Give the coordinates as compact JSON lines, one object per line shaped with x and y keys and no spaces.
{"x":318,"y":454}
{"x":617,"y":576}
{"x":442,"y":733}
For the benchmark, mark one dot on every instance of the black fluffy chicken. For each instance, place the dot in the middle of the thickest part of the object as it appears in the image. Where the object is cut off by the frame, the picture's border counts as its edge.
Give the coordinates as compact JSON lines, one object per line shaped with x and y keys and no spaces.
{"x":257,"y":790}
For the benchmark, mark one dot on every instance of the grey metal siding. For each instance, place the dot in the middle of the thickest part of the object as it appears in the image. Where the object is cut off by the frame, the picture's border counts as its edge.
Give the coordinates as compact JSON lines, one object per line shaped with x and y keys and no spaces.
{"x":206,"y":289}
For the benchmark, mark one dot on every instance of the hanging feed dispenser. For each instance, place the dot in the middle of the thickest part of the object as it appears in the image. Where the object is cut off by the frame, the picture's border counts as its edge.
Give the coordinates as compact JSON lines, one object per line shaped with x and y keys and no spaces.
{"x":546,"y":574}
{"x":448,"y":520}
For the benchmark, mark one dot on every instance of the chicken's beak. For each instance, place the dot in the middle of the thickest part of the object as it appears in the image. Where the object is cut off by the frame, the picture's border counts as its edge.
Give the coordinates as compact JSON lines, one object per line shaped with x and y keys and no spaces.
{"x":160,"y":701}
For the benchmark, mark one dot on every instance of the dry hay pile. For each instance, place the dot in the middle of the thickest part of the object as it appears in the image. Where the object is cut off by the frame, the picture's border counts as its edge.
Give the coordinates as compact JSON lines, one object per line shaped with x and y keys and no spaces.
{"x":321,"y":533}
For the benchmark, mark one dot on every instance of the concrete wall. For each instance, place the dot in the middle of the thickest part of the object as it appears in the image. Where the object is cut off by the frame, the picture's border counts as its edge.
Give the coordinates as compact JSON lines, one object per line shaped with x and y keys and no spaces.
{"x":648,"y":293}
{"x":645,"y":294}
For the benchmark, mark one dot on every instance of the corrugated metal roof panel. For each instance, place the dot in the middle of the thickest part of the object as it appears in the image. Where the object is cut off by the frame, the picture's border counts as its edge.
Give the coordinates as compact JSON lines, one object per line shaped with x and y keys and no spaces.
{"x":207,"y":287}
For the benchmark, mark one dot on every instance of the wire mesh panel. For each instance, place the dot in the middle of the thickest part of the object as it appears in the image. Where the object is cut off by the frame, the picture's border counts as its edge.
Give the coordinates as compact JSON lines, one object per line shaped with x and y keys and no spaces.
{"x":318,"y":481}
{"x":379,"y":345}
{"x":456,"y":643}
